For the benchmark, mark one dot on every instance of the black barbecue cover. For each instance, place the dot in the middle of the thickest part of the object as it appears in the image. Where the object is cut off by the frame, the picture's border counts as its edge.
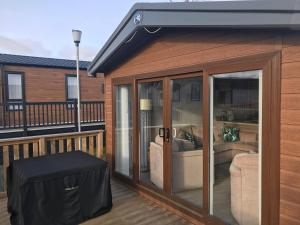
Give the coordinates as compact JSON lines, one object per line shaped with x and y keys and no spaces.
{"x":62,"y":189}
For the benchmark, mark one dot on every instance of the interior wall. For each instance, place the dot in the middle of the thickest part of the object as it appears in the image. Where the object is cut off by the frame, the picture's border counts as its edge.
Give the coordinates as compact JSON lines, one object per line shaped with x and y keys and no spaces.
{"x":186,"y":48}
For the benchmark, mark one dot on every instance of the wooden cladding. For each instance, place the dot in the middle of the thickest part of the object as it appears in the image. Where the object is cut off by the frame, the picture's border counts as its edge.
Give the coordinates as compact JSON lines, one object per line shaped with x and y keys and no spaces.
{"x":290,"y":131}
{"x":48,"y":84}
{"x":28,"y":147}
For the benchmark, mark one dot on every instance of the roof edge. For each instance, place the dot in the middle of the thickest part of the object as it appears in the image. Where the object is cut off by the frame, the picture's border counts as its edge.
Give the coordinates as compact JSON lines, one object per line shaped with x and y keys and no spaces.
{"x":288,"y":9}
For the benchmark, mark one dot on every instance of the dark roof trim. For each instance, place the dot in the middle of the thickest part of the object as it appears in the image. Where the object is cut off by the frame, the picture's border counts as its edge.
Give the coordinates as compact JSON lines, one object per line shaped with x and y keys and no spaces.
{"x":32,"y":61}
{"x":233,"y":14}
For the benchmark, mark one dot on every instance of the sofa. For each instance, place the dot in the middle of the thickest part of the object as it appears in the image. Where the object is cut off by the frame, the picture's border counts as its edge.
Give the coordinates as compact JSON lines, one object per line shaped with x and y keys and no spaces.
{"x":187,"y":163}
{"x":244,"y":189}
{"x":224,"y":152}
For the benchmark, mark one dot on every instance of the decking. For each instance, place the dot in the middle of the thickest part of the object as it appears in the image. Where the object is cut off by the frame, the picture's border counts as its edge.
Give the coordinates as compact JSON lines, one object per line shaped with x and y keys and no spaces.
{"x":129,"y":209}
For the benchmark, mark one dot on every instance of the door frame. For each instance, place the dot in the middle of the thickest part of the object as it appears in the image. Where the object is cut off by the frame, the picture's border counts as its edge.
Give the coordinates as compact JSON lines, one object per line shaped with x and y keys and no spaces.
{"x":167,"y":123}
{"x":164,"y":99}
{"x":116,"y":82}
{"x":270,"y":67}
{"x":270,"y":63}
{"x":212,"y":78}
{"x":169,"y":171}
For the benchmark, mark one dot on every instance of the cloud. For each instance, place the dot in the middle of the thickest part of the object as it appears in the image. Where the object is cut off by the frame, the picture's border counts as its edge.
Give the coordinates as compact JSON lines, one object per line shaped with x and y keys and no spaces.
{"x":86,"y":52}
{"x":35,"y":48}
{"x":22,"y":47}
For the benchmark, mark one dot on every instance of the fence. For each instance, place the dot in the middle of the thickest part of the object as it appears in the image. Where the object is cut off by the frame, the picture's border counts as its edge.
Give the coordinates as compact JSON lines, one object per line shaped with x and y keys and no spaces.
{"x":25,"y":115}
{"x":28,"y":147}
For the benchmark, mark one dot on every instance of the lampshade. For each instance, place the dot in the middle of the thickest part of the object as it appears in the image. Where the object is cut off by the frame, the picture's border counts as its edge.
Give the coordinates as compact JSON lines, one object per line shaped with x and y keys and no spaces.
{"x":145,"y":104}
{"x":76,"y":36}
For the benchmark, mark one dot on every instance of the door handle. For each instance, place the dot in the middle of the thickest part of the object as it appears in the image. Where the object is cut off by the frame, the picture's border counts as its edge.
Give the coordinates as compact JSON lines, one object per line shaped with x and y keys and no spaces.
{"x":161,"y":132}
{"x":167,"y":134}
{"x":164,"y":133}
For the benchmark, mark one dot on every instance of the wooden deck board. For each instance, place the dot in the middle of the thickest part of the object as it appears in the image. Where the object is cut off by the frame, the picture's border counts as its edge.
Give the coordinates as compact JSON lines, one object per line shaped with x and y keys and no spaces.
{"x":129,"y":208}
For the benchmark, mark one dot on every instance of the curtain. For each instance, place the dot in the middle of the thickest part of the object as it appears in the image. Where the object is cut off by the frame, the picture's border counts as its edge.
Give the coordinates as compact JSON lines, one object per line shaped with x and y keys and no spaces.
{"x":72,"y":88}
{"x":15,"y":86}
{"x":123,"y":130}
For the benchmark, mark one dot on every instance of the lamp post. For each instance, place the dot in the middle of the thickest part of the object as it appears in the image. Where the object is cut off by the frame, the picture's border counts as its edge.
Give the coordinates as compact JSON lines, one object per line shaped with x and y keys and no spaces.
{"x":77,"y":37}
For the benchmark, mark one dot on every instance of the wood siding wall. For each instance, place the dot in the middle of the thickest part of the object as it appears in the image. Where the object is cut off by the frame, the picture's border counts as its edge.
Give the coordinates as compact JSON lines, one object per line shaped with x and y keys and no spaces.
{"x":183,"y":48}
{"x":48,"y":84}
{"x":290,"y":131}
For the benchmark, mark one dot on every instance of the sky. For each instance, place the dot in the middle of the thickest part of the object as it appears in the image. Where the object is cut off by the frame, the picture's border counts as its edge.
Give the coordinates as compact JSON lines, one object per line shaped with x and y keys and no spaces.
{"x":44,"y":27}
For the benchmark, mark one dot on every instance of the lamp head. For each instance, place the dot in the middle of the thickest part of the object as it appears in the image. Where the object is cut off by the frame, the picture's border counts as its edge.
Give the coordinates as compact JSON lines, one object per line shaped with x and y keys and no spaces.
{"x":76,"y":36}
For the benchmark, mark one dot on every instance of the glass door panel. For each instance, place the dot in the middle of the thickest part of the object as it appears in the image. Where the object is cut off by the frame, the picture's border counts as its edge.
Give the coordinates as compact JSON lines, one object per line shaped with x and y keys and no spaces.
{"x":187,"y":139}
{"x":235,"y":147}
{"x":151,"y":129}
{"x":123,"y":129}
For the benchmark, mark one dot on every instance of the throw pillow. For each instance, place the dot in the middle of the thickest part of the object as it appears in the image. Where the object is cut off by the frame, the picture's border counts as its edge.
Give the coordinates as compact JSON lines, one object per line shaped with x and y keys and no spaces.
{"x":185,"y":145}
{"x":159,"y":140}
{"x":230,"y":134}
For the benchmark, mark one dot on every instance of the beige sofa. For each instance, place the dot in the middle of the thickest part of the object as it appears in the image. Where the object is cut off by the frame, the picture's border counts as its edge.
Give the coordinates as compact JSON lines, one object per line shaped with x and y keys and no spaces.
{"x":187,"y":165}
{"x":224,"y":152}
{"x":244,"y":189}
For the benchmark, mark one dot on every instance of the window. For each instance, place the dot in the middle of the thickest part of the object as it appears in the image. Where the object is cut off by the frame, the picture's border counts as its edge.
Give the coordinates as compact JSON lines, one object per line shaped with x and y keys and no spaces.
{"x":14,"y":87}
{"x":123,"y":130}
{"x":14,"y":90}
{"x":236,"y":148}
{"x":71,"y":86}
{"x":187,"y":140}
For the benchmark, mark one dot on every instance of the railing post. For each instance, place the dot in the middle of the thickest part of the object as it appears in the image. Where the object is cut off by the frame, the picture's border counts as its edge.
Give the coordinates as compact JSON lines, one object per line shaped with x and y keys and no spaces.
{"x":99,"y":151}
{"x":42,"y":146}
{"x":5,"y":165}
{"x":25,"y":128}
{"x":76,"y":115}
{"x":4,"y":115}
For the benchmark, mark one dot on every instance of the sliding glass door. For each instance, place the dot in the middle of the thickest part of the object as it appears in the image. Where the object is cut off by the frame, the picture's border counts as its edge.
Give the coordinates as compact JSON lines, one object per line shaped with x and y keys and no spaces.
{"x":151,"y":133}
{"x":196,"y":140}
{"x":187,"y":139}
{"x":123,"y":129}
{"x":235,"y":147}
{"x":170,"y":121}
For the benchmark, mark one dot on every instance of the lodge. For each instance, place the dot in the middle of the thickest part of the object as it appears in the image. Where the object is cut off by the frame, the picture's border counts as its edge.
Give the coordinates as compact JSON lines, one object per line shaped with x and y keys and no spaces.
{"x":38,"y":95}
{"x":202,"y":108}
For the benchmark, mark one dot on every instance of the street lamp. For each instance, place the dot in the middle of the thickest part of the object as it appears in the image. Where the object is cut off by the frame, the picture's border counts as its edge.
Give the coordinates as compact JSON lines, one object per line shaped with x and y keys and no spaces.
{"x":77,"y":37}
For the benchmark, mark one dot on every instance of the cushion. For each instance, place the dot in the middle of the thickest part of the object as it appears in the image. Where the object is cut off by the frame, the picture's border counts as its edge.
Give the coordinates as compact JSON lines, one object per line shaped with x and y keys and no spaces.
{"x":197,"y":131}
{"x":230,"y":134}
{"x":180,"y":131}
{"x":245,"y":160}
{"x":175,"y":145}
{"x":198,"y":142}
{"x":185,"y":145}
{"x":159,"y":140}
{"x":190,"y":133}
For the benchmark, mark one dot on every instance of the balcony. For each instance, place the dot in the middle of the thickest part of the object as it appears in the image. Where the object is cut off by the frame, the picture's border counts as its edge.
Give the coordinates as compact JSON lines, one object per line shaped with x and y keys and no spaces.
{"x":36,"y":118}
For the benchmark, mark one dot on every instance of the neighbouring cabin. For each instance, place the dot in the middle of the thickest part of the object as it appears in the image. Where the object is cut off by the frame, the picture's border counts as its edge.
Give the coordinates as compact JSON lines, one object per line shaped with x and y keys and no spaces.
{"x":206,"y":120}
{"x":44,"y":91}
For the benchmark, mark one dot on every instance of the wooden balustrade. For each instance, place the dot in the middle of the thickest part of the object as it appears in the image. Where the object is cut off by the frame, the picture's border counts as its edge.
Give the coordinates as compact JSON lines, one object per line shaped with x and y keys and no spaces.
{"x":28,"y":147}
{"x":28,"y":115}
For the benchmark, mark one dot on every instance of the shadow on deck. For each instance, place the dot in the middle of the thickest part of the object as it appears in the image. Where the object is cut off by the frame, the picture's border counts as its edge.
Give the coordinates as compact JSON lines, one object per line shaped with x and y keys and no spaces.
{"x":129,"y":209}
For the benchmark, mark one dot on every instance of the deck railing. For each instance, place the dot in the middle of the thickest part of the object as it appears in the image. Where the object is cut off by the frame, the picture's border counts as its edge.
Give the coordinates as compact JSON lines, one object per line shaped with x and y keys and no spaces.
{"x":28,"y":147}
{"x":25,"y":115}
